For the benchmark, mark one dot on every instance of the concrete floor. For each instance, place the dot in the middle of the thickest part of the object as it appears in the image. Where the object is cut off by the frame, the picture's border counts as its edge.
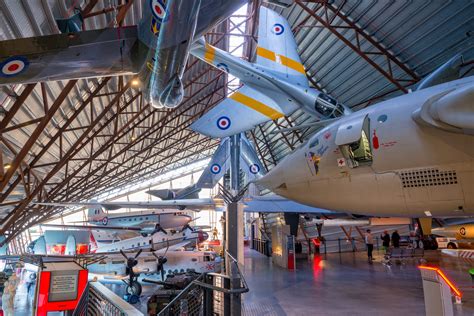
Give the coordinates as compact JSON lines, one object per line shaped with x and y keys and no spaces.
{"x":333,"y":284}
{"x":345,"y":284}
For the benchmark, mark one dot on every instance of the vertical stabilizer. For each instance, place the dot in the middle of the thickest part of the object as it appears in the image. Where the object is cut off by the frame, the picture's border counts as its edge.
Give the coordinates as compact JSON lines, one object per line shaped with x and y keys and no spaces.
{"x":70,"y":246}
{"x":95,"y":214}
{"x":250,"y":162}
{"x":277,"y":49}
{"x":217,"y":167}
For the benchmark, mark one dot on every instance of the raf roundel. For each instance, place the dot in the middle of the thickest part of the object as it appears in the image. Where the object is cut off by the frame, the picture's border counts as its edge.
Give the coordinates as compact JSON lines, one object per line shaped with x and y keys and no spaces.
{"x":254,"y":169}
{"x":13,"y":66}
{"x":223,"y":67}
{"x":215,"y":168}
{"x":223,"y":122}
{"x":158,"y":9}
{"x":278,"y":29}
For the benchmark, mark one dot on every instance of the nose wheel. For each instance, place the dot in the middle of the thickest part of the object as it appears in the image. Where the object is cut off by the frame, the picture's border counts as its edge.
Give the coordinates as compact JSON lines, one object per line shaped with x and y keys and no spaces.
{"x":134,"y":289}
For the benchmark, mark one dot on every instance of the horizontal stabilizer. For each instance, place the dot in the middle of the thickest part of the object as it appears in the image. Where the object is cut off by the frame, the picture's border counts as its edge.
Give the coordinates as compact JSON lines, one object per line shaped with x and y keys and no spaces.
{"x":241,"y":111}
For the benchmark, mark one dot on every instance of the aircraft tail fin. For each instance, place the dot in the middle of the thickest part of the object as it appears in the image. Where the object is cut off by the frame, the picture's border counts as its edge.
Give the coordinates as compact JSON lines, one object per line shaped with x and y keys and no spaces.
{"x":93,"y":243}
{"x":95,"y":214}
{"x":277,"y":49}
{"x":249,"y":160}
{"x":217,"y":167}
{"x":70,"y":246}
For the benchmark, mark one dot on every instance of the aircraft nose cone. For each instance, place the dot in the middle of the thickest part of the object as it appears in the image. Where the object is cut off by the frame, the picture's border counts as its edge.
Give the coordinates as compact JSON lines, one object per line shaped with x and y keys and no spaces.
{"x":171,"y":96}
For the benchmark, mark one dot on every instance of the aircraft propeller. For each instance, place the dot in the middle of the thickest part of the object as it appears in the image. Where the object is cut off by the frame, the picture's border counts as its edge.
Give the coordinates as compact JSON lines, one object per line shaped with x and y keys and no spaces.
{"x":161,"y":262}
{"x":133,"y":286}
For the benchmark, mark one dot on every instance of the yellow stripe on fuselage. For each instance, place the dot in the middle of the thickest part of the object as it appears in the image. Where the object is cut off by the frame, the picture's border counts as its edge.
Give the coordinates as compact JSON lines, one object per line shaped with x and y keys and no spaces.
{"x":265,"y":53}
{"x":282,"y":60}
{"x":256,"y":105}
{"x":210,"y":53}
{"x":291,"y":63}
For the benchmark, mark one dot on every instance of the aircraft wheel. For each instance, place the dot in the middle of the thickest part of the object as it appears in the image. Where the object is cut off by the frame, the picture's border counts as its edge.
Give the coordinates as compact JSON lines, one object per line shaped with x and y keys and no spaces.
{"x":134,"y":289}
{"x":133,"y":299}
{"x":452,"y":246}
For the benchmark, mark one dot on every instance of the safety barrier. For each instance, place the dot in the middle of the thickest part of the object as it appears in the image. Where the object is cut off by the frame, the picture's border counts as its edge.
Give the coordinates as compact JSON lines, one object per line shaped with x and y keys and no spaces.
{"x":347,"y":244}
{"x":262,"y":246}
{"x":211,"y":294}
{"x":104,"y":302}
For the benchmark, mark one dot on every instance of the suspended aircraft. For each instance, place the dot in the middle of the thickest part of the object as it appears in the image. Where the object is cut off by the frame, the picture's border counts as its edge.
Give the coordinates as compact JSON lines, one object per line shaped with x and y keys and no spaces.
{"x":411,"y":156}
{"x":144,"y":222}
{"x":155,"y":51}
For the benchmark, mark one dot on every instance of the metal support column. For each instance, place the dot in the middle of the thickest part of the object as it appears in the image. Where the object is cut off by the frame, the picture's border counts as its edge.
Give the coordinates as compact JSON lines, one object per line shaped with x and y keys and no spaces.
{"x":234,"y":222}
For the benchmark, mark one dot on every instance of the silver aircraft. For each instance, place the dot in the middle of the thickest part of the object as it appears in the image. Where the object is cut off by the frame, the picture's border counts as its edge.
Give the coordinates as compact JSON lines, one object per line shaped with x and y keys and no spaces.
{"x":156,"y":50}
{"x":411,"y":156}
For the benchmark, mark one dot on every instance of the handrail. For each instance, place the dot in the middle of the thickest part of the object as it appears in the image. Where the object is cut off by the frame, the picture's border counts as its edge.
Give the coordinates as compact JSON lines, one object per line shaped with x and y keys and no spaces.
{"x":178,"y":297}
{"x":114,"y":304}
{"x":245,"y":286}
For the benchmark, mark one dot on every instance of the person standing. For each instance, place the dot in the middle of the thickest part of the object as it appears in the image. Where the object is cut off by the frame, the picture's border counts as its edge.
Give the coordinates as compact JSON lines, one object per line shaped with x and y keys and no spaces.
{"x":385,"y":241}
{"x":396,"y":239}
{"x":369,"y":241}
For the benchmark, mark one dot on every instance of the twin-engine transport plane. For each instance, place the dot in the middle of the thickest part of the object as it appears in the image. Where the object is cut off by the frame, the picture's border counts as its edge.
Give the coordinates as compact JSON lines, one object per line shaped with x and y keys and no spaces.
{"x":144,"y":222}
{"x":411,"y":156}
{"x":156,"y":50}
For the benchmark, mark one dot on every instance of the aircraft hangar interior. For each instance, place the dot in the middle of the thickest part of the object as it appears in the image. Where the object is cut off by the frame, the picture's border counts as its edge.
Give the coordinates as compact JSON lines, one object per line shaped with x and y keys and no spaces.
{"x":236,"y":157}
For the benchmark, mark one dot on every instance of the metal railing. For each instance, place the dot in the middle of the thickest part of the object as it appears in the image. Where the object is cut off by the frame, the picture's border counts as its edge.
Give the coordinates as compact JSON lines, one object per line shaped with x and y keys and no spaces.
{"x":262,"y":246}
{"x":346,"y":245}
{"x":211,"y":294}
{"x":104,"y":302}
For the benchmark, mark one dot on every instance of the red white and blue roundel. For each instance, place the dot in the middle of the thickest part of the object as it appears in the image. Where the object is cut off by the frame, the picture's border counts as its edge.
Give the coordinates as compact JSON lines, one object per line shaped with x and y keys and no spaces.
{"x":278,"y":29}
{"x":105,"y":220}
{"x":223,"y":122}
{"x":215,"y":168}
{"x":254,"y":169}
{"x":158,"y":9}
{"x":13,"y":66}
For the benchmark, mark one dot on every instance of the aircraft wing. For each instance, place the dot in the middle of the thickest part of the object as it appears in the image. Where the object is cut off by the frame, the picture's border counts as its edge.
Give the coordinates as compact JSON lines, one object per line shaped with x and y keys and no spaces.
{"x":278,"y":204}
{"x":84,"y":54}
{"x":241,"y":111}
{"x":193,"y":204}
{"x":94,"y":227}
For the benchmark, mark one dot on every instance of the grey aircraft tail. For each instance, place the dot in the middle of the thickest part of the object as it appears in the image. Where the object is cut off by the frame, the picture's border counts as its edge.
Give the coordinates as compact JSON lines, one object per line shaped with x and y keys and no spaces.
{"x":216,"y":169}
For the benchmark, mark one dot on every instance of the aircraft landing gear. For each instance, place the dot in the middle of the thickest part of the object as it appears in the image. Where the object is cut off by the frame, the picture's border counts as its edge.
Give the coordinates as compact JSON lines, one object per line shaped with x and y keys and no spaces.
{"x":134,"y":289}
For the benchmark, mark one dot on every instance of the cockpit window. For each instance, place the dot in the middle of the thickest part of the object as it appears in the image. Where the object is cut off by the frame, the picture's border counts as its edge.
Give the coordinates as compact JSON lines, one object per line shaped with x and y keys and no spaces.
{"x":327,"y":106}
{"x":314,"y":142}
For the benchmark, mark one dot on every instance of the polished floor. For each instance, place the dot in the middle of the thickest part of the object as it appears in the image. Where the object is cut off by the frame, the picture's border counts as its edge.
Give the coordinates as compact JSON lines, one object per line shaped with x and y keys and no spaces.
{"x":346,"y":284}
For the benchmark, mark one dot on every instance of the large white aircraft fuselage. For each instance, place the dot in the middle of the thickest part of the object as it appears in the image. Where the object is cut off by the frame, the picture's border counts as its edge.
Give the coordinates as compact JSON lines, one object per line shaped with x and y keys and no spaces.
{"x":410,"y":168}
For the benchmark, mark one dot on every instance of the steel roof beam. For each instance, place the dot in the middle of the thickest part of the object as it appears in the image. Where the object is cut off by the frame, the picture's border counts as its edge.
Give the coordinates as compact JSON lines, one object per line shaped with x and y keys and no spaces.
{"x":376,"y":48}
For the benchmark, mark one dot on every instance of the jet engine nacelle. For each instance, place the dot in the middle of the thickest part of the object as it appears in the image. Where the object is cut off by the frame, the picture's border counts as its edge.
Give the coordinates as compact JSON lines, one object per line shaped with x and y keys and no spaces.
{"x":169,"y":96}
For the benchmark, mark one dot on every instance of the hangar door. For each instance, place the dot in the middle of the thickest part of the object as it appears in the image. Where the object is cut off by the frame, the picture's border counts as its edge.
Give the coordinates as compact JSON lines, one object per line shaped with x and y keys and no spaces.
{"x":353,"y":140}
